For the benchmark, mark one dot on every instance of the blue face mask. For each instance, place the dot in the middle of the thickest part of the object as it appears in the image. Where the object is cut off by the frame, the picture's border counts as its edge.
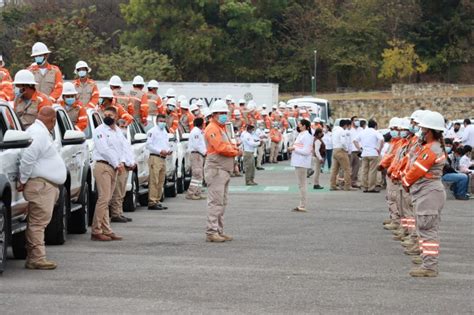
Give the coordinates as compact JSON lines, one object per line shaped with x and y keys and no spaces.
{"x":162,"y":125}
{"x":222,"y":118}
{"x":394,"y":133}
{"x":19,"y":91}
{"x":448,"y":150}
{"x":82,"y":73}
{"x":39,"y":60}
{"x":403,"y":134}
{"x":101,"y":100}
{"x":357,"y":123}
{"x":415,"y":129}
{"x":69,"y":100}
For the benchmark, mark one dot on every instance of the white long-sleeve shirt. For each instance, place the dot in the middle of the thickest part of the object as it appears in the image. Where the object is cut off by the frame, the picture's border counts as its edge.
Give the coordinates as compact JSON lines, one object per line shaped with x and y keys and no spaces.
{"x":468,"y":135}
{"x":249,"y":142}
{"x":41,"y":159}
{"x":370,"y":140}
{"x":127,"y":151}
{"x":157,"y":140}
{"x":301,"y":156}
{"x":108,"y":145}
{"x":340,"y":138}
{"x":327,"y":139}
{"x":196,"y":142}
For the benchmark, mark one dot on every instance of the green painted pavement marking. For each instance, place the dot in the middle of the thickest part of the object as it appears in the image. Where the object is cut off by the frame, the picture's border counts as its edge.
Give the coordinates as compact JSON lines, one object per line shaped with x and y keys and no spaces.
{"x":276,"y":188}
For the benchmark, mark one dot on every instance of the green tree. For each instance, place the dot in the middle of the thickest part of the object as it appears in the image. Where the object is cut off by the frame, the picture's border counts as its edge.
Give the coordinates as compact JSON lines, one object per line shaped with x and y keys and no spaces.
{"x":131,"y":61}
{"x":401,"y":61}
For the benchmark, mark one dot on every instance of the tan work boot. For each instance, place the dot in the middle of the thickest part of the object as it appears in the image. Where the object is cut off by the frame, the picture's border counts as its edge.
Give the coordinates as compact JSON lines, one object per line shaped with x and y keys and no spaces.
{"x":41,"y":265}
{"x":422,"y":272}
{"x":193,"y":197}
{"x":412,"y":251}
{"x":388,"y":221}
{"x":215,"y":238}
{"x":226,"y":237}
{"x":299,"y":209}
{"x":417,"y":260}
{"x":408,"y":243}
{"x":391,"y":226}
{"x":398,"y":237}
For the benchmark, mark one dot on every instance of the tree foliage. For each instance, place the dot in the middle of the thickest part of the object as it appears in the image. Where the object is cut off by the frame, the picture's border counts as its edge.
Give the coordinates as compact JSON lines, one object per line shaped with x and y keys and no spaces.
{"x":401,"y":61}
{"x":247,"y":40}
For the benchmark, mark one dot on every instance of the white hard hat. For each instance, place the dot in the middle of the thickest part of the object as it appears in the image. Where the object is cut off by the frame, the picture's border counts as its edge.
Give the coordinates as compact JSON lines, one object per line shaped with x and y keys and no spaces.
{"x":182,"y":98}
{"x":184,"y":104}
{"x":279,"y":113}
{"x":200,"y":103}
{"x":39,"y":49}
{"x":252,"y":105}
{"x":236,"y":112}
{"x":219,"y":106}
{"x":24,"y":77}
{"x":394,"y":122}
{"x":170,"y":92}
{"x":274,"y":107}
{"x":69,"y":89}
{"x":193,"y":107}
{"x":242,"y":101}
{"x":106,"y":92}
{"x":138,"y":80}
{"x":115,"y":81}
{"x":404,"y":123}
{"x":416,"y":115}
{"x":282,"y":104}
{"x":171,"y":101}
{"x":1,"y":58}
{"x":289,"y":106}
{"x":81,"y":64}
{"x":316,"y":119}
{"x":153,"y":84}
{"x":432,"y":120}
{"x":263,"y":113}
{"x":206,"y":112}
{"x":228,"y":98}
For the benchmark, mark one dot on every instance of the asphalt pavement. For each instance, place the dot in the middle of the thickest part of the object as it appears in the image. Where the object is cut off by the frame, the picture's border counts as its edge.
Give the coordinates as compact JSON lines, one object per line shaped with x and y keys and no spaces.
{"x":334,"y":259}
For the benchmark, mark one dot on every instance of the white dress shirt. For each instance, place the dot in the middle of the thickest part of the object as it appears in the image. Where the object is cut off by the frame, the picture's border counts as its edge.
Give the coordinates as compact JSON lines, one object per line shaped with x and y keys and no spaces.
{"x":354,"y":133}
{"x":301,"y":156}
{"x":453,"y":134}
{"x":41,"y":159}
{"x":249,"y":141}
{"x":157,"y":140}
{"x":468,"y":135}
{"x":196,"y":142}
{"x":464,"y":164}
{"x":108,"y":145}
{"x":127,"y":151}
{"x":327,"y":139}
{"x":370,"y":141}
{"x":339,"y":139}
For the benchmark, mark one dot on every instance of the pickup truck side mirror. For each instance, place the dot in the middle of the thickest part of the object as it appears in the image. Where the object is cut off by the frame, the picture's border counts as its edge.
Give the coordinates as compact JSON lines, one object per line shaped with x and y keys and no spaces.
{"x":15,"y":139}
{"x":72,"y":137}
{"x":139,"y":138}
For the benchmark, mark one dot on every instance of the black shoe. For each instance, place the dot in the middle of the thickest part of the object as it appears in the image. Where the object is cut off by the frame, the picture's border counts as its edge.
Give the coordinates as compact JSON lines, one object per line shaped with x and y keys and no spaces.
{"x":373,"y":191}
{"x":118,"y":219}
{"x":317,"y":187}
{"x":462,"y":197}
{"x":157,"y":207}
{"x":127,"y":218}
{"x":260,"y":168}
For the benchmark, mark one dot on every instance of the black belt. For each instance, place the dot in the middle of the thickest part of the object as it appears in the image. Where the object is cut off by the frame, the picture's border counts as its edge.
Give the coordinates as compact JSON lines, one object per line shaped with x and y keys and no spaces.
{"x":153,"y":154}
{"x":105,"y":162}
{"x":197,"y":152}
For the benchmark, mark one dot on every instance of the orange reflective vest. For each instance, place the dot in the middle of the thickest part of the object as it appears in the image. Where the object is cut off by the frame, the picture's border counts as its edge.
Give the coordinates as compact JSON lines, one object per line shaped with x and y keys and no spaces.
{"x":6,"y":85}
{"x":77,"y":113}
{"x":51,"y":83}
{"x":217,"y":140}
{"x":87,"y":91}
{"x":422,"y":164}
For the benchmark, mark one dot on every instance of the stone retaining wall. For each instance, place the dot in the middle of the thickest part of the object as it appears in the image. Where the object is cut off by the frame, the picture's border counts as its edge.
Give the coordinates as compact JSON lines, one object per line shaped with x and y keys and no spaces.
{"x":424,"y":90}
{"x":384,"y":109}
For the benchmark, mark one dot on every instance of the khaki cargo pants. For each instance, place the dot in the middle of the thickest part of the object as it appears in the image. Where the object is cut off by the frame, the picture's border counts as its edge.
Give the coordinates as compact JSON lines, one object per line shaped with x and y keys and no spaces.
{"x":217,"y":189}
{"x":41,"y":196}
{"x":340,"y":160}
{"x":369,"y":172}
{"x":301,"y":174}
{"x":392,"y":195}
{"x":317,"y":170}
{"x":105,"y":178}
{"x":355,"y":166}
{"x":274,"y":152}
{"x":116,"y":203}
{"x":156,"y":179}
{"x":197,"y":170}
{"x":249,"y":167}
{"x":260,"y":152}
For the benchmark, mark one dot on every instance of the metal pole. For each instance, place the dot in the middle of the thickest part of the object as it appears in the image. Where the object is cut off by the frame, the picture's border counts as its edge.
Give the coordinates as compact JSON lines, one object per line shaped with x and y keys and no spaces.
{"x":315,"y":58}
{"x":313,"y":85}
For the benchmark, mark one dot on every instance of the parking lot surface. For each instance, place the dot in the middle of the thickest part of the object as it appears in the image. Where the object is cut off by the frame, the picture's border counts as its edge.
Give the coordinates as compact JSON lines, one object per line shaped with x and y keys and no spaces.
{"x":334,"y":259}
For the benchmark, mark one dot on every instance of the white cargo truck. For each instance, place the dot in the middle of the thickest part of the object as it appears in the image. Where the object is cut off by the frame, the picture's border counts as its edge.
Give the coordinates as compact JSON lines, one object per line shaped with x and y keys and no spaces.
{"x":262,"y":93}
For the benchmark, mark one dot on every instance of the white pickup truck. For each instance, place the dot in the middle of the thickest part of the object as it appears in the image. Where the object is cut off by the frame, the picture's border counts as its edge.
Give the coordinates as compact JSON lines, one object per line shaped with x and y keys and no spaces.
{"x":178,"y":165}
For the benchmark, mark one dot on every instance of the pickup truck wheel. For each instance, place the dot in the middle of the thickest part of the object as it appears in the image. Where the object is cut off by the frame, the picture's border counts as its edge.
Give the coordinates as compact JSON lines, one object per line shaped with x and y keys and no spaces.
{"x":173,"y":190}
{"x":131,"y":197}
{"x":3,"y":236}
{"x":55,"y":233}
{"x":19,"y":245}
{"x":78,"y":220}
{"x":181,"y":187}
